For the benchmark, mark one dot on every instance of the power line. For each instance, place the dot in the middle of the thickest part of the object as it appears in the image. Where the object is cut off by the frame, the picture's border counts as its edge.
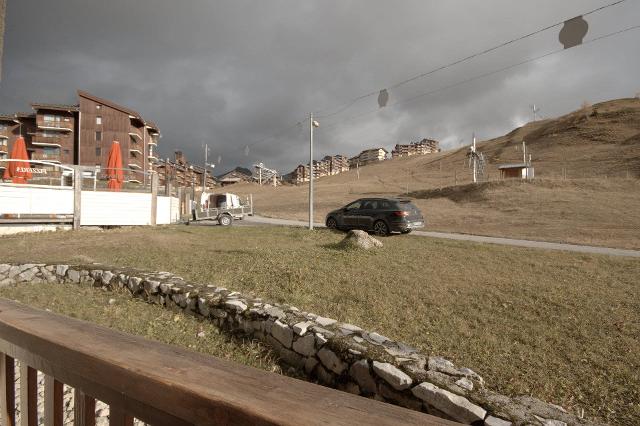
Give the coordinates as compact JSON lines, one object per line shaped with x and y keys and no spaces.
{"x":465,"y":59}
{"x":421,"y":95}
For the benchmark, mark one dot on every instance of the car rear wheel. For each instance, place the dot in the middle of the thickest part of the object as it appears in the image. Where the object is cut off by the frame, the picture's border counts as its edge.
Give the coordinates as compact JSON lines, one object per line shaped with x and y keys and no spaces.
{"x":225,"y":220}
{"x":332,"y":223}
{"x":380,"y":228}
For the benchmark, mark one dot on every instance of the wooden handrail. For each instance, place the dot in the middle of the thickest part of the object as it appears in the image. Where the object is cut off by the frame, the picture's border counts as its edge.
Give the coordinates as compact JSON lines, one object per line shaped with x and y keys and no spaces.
{"x":167,"y":385}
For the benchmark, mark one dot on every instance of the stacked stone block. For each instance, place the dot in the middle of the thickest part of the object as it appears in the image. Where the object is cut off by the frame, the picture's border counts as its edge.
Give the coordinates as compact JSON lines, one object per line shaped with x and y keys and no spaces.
{"x":332,"y":353}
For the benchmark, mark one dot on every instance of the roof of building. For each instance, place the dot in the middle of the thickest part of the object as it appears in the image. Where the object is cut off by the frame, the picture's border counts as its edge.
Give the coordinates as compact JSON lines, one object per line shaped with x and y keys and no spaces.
{"x":110,"y":104}
{"x":55,"y":107}
{"x":513,"y":166}
{"x":25,"y":115}
{"x":7,"y":117}
{"x":152,"y":125}
{"x":238,"y":170}
{"x":374,"y":149}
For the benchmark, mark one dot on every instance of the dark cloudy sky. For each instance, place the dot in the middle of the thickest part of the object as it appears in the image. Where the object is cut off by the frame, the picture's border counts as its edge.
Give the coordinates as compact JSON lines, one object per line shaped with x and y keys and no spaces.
{"x":235,"y":73}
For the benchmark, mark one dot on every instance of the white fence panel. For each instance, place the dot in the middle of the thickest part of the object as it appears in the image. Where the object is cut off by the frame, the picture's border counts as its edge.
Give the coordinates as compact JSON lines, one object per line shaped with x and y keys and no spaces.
{"x":35,"y":199}
{"x":115,"y":208}
{"x":163,"y":215}
{"x":175,"y":210}
{"x":168,"y":210}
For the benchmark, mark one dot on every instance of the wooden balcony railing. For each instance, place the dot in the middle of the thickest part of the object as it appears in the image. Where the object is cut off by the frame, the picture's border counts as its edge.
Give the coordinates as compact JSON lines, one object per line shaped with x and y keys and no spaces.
{"x":159,"y":384}
{"x":55,"y":125}
{"x":40,"y":156}
{"x":135,"y":134}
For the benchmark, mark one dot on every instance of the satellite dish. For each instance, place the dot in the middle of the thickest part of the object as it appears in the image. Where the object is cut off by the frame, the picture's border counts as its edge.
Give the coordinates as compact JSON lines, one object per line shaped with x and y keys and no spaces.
{"x":573,"y":32}
{"x":383,"y":98}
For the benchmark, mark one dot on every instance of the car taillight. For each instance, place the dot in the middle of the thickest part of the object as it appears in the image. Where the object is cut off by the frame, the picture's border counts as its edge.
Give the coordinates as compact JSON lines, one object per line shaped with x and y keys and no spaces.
{"x":401,"y":213}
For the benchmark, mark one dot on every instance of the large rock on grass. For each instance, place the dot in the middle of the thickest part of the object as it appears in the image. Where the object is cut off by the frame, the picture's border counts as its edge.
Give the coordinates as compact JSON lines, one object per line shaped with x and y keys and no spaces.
{"x":360,"y":240}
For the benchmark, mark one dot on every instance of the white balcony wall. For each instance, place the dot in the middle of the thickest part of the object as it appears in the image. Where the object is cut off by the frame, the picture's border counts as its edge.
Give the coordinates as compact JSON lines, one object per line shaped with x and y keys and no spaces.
{"x":27,"y":199}
{"x":97,"y":208}
{"x":115,"y":208}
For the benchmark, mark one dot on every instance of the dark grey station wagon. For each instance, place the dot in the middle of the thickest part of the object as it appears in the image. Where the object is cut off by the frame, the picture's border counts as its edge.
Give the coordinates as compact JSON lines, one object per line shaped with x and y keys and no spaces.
{"x":380,"y":215}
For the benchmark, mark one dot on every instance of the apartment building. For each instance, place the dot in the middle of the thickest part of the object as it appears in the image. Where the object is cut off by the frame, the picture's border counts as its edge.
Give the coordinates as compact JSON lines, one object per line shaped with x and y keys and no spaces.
{"x":102,"y":122}
{"x":425,"y":146}
{"x":336,"y":164}
{"x":329,"y":165}
{"x":368,"y":156}
{"x":298,"y":176}
{"x":9,"y":126}
{"x":181,"y":173}
{"x":50,"y":132}
{"x":82,"y":134}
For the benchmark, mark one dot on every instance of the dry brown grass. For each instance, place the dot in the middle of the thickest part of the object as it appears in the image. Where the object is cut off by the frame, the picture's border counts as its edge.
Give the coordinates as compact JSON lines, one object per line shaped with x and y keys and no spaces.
{"x":559,"y":326}
{"x":119,"y":311}
{"x":598,"y":203}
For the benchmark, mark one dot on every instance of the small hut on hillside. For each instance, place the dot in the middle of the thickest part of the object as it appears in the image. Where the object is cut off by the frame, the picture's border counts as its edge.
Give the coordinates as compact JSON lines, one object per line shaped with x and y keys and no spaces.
{"x":516,"y":170}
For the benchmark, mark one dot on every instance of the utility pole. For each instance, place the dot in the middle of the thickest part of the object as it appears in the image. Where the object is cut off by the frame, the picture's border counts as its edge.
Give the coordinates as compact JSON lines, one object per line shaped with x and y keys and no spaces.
{"x":475,"y":166}
{"x":311,"y":171}
{"x":204,"y":174}
{"x":312,"y":124}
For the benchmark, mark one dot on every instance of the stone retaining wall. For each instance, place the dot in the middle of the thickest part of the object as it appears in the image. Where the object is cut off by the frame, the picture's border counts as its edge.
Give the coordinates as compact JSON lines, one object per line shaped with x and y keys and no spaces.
{"x":335,"y":354}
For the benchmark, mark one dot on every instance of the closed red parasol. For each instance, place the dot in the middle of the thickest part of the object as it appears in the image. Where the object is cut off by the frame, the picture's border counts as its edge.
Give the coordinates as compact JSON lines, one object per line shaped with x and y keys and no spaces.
{"x":18,"y":171}
{"x":114,"y":168}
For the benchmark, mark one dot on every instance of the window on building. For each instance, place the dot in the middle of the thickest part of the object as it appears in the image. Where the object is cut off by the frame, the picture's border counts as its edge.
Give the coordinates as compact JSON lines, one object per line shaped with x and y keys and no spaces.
{"x":98,"y":136}
{"x":98,"y":106}
{"x":98,"y":152}
{"x":49,"y":117}
{"x":50,"y":151}
{"x":98,"y":120}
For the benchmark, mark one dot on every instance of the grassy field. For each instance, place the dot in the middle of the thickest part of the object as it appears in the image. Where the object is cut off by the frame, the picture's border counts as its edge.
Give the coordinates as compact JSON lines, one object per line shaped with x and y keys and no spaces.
{"x":119,"y":311}
{"x":562,"y":327}
{"x":597,"y":149}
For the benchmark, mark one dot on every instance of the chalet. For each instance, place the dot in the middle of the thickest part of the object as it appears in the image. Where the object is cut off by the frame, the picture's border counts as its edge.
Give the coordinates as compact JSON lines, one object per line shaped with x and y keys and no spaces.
{"x":237,"y":175}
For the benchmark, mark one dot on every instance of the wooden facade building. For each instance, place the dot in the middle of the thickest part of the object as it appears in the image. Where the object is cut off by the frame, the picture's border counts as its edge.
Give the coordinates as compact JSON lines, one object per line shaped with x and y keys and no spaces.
{"x":82,"y":134}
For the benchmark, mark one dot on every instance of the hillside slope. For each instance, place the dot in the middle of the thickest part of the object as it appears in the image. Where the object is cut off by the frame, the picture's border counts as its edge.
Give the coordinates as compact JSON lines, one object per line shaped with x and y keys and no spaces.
{"x":597,"y":149}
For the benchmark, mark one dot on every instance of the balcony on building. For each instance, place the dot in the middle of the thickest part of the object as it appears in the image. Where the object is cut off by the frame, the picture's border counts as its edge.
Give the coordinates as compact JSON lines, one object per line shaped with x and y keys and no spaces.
{"x":153,"y":140}
{"x":55,"y":117}
{"x":40,"y":140}
{"x":46,"y":155}
{"x":135,"y":134}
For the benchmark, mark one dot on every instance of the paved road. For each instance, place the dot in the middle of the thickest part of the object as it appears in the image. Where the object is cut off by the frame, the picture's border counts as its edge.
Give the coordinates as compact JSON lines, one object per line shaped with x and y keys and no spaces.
{"x":475,"y":238}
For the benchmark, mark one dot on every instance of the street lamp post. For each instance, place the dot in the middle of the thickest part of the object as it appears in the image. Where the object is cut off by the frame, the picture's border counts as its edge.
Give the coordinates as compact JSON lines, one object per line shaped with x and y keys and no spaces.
{"x":312,"y":124}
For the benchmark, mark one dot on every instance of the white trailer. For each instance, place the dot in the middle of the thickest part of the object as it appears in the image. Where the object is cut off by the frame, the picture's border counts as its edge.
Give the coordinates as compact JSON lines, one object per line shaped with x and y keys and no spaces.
{"x":224,"y":208}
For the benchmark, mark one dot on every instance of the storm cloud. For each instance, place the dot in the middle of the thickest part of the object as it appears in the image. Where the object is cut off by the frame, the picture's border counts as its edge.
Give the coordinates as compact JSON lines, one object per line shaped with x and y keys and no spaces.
{"x":240,"y":74}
